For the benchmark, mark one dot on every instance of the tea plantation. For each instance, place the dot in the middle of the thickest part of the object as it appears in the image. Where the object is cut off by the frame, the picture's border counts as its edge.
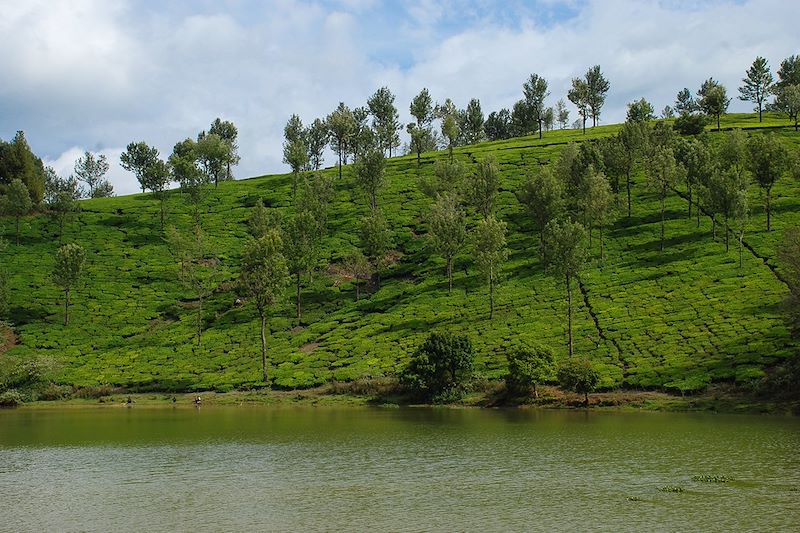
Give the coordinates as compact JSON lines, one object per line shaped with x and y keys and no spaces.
{"x":674,"y":320}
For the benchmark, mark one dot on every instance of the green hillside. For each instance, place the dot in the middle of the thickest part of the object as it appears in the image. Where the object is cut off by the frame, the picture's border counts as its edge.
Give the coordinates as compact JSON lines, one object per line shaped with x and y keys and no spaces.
{"x":676,"y":320}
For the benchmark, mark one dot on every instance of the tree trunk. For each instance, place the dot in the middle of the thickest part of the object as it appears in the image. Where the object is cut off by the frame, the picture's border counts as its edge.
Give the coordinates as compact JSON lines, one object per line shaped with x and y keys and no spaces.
{"x":769,"y":208}
{"x":601,"y":243}
{"x":718,"y":122}
{"x":298,"y":295}
{"x":727,"y":246}
{"x":584,"y":125}
{"x":689,"y":197}
{"x":569,"y":314}
{"x":66,"y":306}
{"x":663,"y":201}
{"x":340,"y":165}
{"x":491,"y":297}
{"x":200,"y":322}
{"x":741,"y":244}
{"x":535,"y":392}
{"x":264,"y":348}
{"x":449,"y":275}
{"x":586,"y":398}
{"x":540,"y":128}
{"x":714,"y":227}
{"x":628,"y":186}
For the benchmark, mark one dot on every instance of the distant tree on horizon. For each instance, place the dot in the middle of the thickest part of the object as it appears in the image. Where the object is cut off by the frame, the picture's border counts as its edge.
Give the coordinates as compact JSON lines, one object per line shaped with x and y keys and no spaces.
{"x":91,"y":171}
{"x":579,"y":96}
{"x":757,"y":85}
{"x":342,"y":125}
{"x":596,"y":88}
{"x":640,"y":111}
{"x":228,"y":132}
{"x":712,"y":99}
{"x":385,"y":119}
{"x":535,"y":91}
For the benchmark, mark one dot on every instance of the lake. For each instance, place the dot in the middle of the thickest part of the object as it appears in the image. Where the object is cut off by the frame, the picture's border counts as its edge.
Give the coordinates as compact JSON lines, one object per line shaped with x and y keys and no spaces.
{"x":407,"y":469}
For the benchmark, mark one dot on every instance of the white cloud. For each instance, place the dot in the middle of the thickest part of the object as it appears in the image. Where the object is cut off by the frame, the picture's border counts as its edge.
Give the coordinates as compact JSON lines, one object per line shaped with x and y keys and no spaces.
{"x":92,"y":74}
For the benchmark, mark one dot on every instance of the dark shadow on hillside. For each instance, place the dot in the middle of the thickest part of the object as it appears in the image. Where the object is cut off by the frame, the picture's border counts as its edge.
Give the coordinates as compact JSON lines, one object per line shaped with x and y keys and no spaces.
{"x":671,"y":242}
{"x":26,"y":315}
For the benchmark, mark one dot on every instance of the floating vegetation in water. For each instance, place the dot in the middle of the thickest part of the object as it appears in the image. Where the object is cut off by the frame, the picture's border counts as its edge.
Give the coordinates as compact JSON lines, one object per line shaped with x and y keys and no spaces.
{"x":670,"y":488}
{"x":712,"y":479}
{"x":634,"y":499}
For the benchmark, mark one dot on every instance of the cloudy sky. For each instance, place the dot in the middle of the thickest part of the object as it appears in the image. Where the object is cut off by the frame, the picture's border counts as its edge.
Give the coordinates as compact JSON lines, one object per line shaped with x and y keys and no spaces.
{"x":97,"y":74}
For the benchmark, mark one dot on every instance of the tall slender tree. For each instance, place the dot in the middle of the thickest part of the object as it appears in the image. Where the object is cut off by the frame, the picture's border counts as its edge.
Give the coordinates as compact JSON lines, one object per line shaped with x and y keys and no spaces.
{"x":489,"y":240}
{"x":535,"y":91}
{"x":663,"y":172}
{"x":579,"y":96}
{"x":342,"y":127}
{"x":91,"y":170}
{"x":769,"y":160}
{"x":448,"y":231}
{"x":564,"y":257}
{"x":541,"y":195}
{"x":67,"y":271}
{"x":712,"y":98}
{"x":757,"y":84}
{"x":228,"y":132}
{"x":483,"y":186}
{"x":264,"y":277}
{"x":596,"y":88}
{"x":385,"y":119}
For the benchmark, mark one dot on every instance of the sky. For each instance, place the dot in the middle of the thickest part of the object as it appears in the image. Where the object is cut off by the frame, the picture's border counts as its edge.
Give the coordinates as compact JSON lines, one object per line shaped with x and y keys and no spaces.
{"x":96,"y":75}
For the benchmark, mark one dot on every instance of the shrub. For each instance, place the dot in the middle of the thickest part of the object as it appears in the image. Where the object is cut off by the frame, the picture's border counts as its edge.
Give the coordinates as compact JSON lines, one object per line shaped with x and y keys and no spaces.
{"x":690,"y":124}
{"x":440,"y":368}
{"x":528,"y":367}
{"x":578,"y":375}
{"x":10,"y":398}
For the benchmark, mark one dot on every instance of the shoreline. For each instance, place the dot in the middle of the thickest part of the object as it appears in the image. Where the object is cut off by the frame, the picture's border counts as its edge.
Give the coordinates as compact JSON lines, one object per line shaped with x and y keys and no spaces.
{"x":718,"y":400}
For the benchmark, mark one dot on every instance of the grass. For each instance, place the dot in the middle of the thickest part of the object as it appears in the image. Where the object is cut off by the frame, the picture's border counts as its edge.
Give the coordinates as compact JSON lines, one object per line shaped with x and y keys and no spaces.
{"x":678,"y":320}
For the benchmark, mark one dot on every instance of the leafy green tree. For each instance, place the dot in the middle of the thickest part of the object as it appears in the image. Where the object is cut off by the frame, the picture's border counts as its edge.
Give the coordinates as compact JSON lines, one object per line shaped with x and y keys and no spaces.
{"x":67,"y":271}
{"x":473,"y":130}
{"x":91,"y":170}
{"x":295,"y":149}
{"x":196,"y":272}
{"x":498,"y":125}
{"x":640,"y":111}
{"x":598,"y":205}
{"x":535,"y":91}
{"x":695,"y":156}
{"x":667,"y":112}
{"x":483,"y":186}
{"x":61,"y":200}
{"x":522,"y":122}
{"x":357,"y":267}
{"x":578,"y":375}
{"x":685,"y":103}
{"x":690,"y":124}
{"x":421,"y":108}
{"x":562,"y":114}
{"x":727,"y":196}
{"x":448,"y":178}
{"x":385,"y":119}
{"x":787,"y":102}
{"x":263,"y":278}
{"x":757,"y":84}
{"x":17,"y":203}
{"x":376,"y":241}
{"x":363,"y":138}
{"x":489,"y":241}
{"x":318,"y":136}
{"x":227,"y":131}
{"x":769,"y":160}
{"x":579,"y":96}
{"x":663,"y":173}
{"x":139,"y":158}
{"x":528,"y":367}
{"x":17,"y":161}
{"x":342,"y":125}
{"x":788,"y":73}
{"x":300,"y":249}
{"x":564,"y":256}
{"x":713,"y":99}
{"x":789,"y":257}
{"x":441,"y":367}
{"x":447,"y":231}
{"x":263,"y":220}
{"x":194,"y":182}
{"x":597,"y":86}
{"x":213,"y":154}
{"x":370,"y":175}
{"x":541,"y":195}
{"x":549,"y":118}
{"x":450,"y":128}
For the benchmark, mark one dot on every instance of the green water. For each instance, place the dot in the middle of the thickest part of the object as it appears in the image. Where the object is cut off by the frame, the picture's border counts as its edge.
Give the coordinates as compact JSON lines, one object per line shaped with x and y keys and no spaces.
{"x":266,"y":469}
